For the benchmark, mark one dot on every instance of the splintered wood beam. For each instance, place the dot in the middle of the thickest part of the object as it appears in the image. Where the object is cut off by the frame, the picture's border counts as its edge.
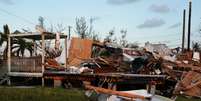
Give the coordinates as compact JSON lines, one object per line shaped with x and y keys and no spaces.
{"x":9,"y":57}
{"x":66,"y":50}
{"x":112,"y":92}
{"x":9,"y":54}
{"x":43,"y":51}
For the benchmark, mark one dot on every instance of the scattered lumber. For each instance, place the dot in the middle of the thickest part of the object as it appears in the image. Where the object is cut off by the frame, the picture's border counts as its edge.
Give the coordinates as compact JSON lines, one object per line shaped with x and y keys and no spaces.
{"x":112,"y":92}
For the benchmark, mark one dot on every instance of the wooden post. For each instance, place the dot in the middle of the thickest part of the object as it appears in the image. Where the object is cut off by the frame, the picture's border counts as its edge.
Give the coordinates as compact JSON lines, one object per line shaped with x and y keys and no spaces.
{"x":43,"y":56}
{"x":66,"y":50}
{"x":34,"y":54}
{"x":9,"y":57}
{"x":184,"y":27}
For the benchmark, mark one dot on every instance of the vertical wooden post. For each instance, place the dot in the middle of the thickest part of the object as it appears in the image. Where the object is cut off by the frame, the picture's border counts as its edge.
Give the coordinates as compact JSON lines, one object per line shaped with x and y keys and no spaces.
{"x":34,"y":54}
{"x":43,"y":56}
{"x":184,"y":27}
{"x":66,"y":50}
{"x":9,"y":57}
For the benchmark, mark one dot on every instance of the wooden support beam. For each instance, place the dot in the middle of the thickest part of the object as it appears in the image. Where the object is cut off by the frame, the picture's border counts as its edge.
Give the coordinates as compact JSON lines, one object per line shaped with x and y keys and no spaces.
{"x":66,"y":50}
{"x":9,"y":54}
{"x":43,"y":56}
{"x":9,"y":57}
{"x":35,"y":48}
{"x":25,"y":74}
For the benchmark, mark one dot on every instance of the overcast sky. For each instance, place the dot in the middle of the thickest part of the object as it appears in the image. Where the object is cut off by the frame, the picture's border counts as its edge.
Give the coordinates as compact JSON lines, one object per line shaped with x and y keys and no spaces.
{"x":145,"y":20}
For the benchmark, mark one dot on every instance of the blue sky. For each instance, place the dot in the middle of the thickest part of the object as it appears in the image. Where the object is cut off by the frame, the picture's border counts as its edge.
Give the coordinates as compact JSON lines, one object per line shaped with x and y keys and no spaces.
{"x":145,"y":20}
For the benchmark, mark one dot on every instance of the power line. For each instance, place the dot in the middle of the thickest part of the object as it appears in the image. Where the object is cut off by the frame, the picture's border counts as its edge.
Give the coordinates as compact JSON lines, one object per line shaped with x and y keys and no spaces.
{"x":19,"y":17}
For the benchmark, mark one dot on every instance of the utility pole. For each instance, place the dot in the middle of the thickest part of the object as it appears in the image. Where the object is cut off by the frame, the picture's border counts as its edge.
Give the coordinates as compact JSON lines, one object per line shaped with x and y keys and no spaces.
{"x":184,"y":25}
{"x":189,"y":25}
{"x":69,"y":32}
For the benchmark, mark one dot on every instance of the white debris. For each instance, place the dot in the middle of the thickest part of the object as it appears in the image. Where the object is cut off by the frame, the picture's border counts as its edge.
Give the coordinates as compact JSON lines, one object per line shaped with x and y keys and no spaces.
{"x":196,"y":56}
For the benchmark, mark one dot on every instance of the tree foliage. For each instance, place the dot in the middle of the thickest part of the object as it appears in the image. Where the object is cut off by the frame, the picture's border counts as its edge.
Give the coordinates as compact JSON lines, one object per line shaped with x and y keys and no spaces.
{"x":4,"y":38}
{"x":81,"y":27}
{"x":123,"y":42}
{"x":18,"y":45}
{"x":21,"y":46}
{"x":85,"y":30}
{"x":196,"y":46}
{"x":109,"y":38}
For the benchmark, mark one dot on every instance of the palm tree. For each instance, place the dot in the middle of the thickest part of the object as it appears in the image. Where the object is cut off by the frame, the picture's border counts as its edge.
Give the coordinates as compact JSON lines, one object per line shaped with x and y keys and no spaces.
{"x":21,"y":46}
{"x":4,"y":38}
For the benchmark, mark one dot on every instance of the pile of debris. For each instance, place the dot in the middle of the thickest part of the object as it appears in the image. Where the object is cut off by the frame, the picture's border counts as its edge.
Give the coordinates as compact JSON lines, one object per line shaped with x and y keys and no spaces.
{"x":183,"y":69}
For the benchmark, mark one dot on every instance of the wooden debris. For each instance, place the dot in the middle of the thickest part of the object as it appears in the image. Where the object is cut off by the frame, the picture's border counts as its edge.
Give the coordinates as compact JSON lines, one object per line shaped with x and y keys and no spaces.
{"x":112,"y":92}
{"x":190,"y":84}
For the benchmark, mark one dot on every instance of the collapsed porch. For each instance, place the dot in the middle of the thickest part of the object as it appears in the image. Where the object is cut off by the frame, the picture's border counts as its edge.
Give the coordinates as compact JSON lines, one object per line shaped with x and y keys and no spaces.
{"x":33,"y":66}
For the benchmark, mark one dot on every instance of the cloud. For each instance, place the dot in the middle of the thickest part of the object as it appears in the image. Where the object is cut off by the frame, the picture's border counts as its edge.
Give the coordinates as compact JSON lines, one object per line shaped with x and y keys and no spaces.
{"x":121,"y":2}
{"x":152,"y":23}
{"x":174,"y":25}
{"x":7,"y":2}
{"x":159,"y":8}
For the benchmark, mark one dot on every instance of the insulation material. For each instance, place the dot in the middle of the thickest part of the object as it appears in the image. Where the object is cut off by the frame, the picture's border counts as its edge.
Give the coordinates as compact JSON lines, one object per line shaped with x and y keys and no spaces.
{"x":61,"y":59}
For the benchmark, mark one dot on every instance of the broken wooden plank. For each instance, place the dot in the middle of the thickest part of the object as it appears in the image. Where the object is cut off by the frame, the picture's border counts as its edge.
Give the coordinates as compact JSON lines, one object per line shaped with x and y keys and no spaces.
{"x":112,"y":92}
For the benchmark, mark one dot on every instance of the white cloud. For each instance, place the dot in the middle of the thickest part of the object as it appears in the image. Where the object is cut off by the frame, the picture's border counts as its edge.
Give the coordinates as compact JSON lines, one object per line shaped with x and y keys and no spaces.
{"x":174,"y":25}
{"x":152,"y":23}
{"x":160,"y":8}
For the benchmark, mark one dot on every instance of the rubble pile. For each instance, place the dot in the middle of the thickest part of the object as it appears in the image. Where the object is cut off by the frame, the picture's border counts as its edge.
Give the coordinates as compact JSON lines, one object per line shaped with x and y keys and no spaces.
{"x":183,"y":69}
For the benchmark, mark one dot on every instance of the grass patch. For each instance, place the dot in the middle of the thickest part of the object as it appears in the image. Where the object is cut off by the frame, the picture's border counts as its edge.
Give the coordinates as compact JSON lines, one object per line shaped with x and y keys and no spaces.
{"x":182,"y":98}
{"x":41,"y":94}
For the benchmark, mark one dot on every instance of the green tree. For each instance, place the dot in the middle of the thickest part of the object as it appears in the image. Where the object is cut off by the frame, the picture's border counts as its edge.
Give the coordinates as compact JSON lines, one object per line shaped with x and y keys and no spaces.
{"x":4,"y":38}
{"x":21,"y":46}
